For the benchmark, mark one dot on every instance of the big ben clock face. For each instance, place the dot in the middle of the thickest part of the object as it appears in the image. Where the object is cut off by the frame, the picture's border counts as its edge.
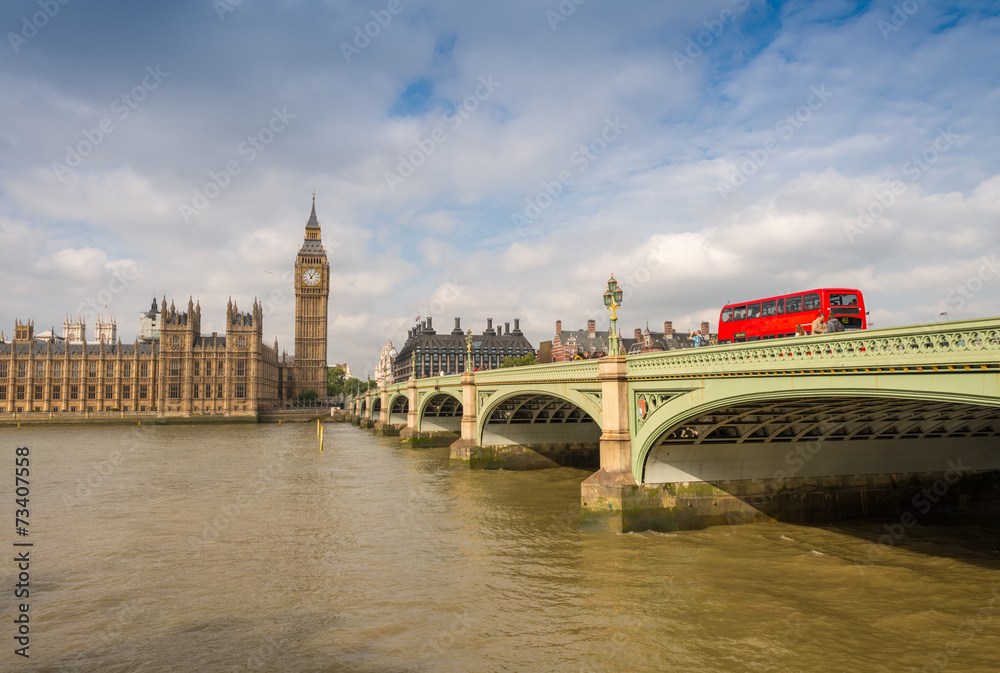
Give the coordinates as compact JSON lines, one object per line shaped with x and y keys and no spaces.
{"x":310,"y":277}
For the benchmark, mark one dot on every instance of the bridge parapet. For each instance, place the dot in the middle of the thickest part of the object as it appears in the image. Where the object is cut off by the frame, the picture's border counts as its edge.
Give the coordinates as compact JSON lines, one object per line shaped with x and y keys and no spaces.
{"x":969,"y":342}
{"x":555,"y":372}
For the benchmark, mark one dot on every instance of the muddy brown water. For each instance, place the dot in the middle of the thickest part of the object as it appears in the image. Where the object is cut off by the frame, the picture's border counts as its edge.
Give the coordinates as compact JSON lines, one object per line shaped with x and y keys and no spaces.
{"x":244,"y":548}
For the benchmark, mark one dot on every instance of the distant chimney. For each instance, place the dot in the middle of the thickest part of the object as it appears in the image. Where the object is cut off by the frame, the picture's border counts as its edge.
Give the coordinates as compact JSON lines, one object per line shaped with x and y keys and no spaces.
{"x":638,"y":334}
{"x":558,"y":326}
{"x":517,"y":324}
{"x":489,"y":323}
{"x":458,"y":323}
{"x":591,"y":328}
{"x":704,"y":329}
{"x":506,"y":328}
{"x":668,"y":329}
{"x":429,"y":323}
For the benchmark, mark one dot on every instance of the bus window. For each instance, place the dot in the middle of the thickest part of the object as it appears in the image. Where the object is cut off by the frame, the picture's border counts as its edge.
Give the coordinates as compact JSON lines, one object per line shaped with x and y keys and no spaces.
{"x":753,"y":311}
{"x":767,"y":308}
{"x":810,"y":302}
{"x":793,"y":305}
{"x":740,"y":313}
{"x":727,"y":314}
{"x":781,"y":307}
{"x":844,"y":299}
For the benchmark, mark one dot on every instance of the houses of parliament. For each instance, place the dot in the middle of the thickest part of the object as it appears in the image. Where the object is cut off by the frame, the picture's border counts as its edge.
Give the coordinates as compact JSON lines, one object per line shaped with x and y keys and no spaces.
{"x":173,"y":369}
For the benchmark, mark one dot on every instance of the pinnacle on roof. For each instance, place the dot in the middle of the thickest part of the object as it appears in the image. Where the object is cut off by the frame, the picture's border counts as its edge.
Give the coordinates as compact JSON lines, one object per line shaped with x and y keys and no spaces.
{"x":313,"y":220}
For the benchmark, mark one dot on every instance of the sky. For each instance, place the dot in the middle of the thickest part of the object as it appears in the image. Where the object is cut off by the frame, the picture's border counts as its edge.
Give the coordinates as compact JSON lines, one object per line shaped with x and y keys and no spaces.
{"x":497,"y":160}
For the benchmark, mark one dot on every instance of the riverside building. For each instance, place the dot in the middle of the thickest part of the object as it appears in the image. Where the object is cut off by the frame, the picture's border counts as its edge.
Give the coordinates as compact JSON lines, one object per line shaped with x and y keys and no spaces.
{"x":435,"y":354}
{"x":173,"y":369}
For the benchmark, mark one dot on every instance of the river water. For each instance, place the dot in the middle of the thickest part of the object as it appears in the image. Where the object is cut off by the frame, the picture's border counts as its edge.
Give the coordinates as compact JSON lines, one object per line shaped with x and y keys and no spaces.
{"x":244,"y":548}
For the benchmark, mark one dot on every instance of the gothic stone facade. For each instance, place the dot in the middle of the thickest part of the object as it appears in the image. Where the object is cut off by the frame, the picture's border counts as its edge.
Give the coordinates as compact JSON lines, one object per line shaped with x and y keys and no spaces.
{"x":312,"y":296}
{"x":179,"y":371}
{"x":184,"y":373}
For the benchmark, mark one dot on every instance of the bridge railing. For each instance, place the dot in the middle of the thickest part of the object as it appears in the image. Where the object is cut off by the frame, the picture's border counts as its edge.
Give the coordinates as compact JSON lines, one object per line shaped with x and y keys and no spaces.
{"x":962,"y":343}
{"x":574,"y":370}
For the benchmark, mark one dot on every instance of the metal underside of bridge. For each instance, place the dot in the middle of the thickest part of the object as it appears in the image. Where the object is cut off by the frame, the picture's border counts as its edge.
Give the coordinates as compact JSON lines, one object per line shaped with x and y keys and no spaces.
{"x":833,"y":419}
{"x":443,"y":406}
{"x":538,"y":408}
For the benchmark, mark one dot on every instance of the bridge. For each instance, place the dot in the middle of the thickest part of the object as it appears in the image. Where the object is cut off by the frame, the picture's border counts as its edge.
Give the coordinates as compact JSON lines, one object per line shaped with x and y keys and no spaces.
{"x":894,"y":421}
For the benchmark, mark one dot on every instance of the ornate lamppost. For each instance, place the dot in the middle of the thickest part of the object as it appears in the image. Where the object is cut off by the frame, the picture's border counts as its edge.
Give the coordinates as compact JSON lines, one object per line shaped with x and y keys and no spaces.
{"x":612,"y":300}
{"x":468,"y":350}
{"x":413,"y":364}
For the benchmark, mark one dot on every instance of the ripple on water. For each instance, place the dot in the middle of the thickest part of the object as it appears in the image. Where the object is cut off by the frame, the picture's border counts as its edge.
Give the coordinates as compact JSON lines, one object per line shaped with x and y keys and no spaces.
{"x":244,"y":548}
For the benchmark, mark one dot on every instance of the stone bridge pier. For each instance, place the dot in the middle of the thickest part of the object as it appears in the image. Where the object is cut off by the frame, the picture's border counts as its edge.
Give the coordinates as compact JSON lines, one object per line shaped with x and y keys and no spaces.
{"x":608,"y":493}
{"x":900,"y":423}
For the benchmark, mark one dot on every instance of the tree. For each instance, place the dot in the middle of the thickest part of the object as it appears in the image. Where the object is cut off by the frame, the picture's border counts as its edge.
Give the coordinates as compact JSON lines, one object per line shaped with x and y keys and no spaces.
{"x":308,"y":396}
{"x":528,"y":359}
{"x":353,"y":386}
{"x":335,"y":381}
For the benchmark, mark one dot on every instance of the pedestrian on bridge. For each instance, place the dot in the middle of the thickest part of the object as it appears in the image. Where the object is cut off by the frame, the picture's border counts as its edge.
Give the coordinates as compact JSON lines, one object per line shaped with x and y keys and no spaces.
{"x":819,"y":324}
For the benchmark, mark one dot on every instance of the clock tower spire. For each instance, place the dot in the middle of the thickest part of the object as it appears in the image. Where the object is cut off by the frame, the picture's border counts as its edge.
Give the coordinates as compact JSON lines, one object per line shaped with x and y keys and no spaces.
{"x":312,"y":294}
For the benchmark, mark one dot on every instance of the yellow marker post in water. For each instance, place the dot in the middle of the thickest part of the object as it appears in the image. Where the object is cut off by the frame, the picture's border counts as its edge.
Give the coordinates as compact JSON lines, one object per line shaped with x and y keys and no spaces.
{"x":320,"y":438}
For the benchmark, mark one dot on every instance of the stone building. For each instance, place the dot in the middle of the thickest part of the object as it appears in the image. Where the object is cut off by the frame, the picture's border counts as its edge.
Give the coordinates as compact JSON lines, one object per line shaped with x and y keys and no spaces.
{"x":383,"y":373}
{"x":312,"y":298}
{"x":436,"y":354}
{"x":183,"y":373}
{"x":569,"y":344}
{"x":173,"y":369}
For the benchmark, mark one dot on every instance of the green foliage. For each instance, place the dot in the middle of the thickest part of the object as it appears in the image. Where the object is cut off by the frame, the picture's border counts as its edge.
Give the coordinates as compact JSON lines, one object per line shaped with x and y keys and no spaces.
{"x":354,"y":386}
{"x":335,"y":381}
{"x":528,"y":359}
{"x":308,"y":396}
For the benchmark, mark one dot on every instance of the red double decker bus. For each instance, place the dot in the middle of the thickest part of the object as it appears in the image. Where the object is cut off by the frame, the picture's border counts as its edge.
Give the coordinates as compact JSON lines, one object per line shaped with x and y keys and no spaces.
{"x":777,"y":317}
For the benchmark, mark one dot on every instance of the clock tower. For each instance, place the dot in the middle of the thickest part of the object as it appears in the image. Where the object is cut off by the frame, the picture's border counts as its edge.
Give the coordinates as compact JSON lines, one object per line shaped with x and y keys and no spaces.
{"x":312,"y":293}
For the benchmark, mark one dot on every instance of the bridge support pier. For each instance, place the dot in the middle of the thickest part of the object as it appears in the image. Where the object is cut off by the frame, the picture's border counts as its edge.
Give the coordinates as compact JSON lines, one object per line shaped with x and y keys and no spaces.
{"x":410,"y":434}
{"x":383,"y":414}
{"x":366,"y":415}
{"x":609,"y":498}
{"x":464,"y":448}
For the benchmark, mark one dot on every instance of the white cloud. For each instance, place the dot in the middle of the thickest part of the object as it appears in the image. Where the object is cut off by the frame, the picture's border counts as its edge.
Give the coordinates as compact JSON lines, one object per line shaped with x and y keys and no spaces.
{"x":654,"y":191}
